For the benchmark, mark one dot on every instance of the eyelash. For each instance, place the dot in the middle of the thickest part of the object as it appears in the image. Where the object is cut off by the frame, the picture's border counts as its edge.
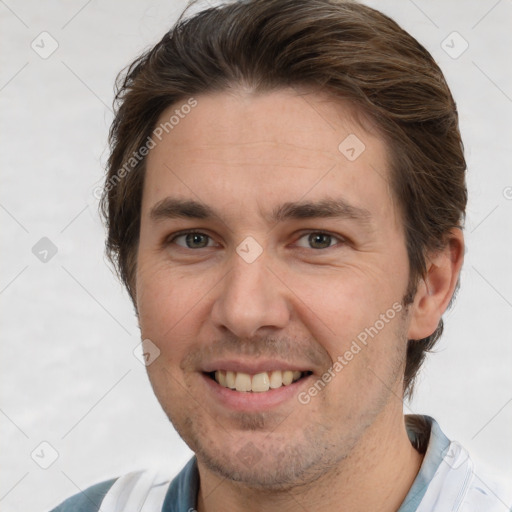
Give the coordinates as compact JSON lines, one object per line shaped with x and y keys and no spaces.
{"x":341,"y":240}
{"x":172,"y":239}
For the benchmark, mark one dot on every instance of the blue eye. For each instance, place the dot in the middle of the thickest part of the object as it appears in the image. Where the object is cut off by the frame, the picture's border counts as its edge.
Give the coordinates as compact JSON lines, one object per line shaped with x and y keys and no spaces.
{"x":193,"y":240}
{"x":318,"y":240}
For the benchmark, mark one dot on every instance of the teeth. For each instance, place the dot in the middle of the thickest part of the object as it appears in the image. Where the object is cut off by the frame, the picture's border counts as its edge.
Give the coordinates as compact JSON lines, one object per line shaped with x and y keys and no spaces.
{"x":230,"y":380}
{"x":243,"y":382}
{"x":220,"y":377}
{"x":276,"y":379}
{"x":257,"y":383}
{"x":260,"y":382}
{"x":287,"y":377}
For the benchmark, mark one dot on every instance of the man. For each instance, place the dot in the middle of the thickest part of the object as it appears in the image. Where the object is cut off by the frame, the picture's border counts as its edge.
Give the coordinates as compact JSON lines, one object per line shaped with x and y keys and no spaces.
{"x":284,"y":201}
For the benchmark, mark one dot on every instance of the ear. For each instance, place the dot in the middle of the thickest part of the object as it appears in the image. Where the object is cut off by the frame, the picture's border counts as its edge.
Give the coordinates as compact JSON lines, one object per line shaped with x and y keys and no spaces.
{"x":436,"y":289}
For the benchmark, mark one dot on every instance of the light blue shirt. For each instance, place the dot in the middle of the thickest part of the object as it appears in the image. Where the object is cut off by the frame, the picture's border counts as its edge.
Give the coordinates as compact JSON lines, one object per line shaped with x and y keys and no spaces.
{"x":438,"y":445}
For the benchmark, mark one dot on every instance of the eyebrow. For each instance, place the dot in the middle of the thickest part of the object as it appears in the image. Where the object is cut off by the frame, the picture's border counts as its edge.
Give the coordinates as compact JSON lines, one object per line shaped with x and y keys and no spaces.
{"x":326,"y":208}
{"x":170,"y":208}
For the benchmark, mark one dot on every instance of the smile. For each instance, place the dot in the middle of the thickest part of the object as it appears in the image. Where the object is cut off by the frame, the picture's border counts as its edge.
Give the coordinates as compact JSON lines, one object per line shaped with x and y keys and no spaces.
{"x":258,"y":383}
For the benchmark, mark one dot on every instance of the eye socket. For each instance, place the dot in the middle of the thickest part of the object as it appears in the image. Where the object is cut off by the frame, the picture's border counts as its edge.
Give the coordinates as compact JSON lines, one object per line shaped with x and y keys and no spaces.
{"x":193,"y":240}
{"x":318,"y":240}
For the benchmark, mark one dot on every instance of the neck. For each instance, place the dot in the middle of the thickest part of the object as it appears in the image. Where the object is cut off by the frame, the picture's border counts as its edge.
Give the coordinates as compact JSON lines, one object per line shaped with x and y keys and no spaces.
{"x":377,"y":474}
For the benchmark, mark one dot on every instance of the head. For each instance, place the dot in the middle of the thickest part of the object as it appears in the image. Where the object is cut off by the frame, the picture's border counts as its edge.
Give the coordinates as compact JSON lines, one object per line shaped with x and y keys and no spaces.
{"x":322,"y":139}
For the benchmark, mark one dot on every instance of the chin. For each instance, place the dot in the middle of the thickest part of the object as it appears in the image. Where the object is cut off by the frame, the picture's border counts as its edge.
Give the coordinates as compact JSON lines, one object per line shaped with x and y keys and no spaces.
{"x":269,"y":461}
{"x":276,"y":472}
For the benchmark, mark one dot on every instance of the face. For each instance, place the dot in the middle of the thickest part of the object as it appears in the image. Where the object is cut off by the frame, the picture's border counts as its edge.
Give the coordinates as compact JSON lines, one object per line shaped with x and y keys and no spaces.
{"x":271,"y":251}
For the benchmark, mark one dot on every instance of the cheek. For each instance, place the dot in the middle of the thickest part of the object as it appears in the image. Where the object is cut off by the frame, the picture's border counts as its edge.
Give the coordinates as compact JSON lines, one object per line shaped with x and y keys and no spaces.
{"x":354,"y":317}
{"x":165,"y":302}
{"x":339,"y":304}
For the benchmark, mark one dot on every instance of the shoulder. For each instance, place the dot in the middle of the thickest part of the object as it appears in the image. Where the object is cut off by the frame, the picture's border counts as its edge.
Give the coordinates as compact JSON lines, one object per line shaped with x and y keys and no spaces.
{"x":88,"y":500}
{"x":147,"y":490}
{"x":461,"y":484}
{"x":487,"y":490}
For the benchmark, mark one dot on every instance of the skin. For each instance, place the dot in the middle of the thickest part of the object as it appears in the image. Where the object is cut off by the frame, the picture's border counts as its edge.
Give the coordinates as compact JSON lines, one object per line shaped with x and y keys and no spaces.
{"x":244,"y":155}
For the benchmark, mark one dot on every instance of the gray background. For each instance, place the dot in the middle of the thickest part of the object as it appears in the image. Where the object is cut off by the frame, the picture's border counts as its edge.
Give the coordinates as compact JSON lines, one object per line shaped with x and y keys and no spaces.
{"x":70,"y":377}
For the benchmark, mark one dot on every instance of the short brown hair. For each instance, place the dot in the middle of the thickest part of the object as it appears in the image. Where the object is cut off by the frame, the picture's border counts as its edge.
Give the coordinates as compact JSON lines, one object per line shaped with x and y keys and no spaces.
{"x":344,"y":48}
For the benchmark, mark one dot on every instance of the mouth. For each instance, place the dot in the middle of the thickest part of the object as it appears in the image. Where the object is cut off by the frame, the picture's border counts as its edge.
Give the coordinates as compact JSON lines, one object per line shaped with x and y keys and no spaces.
{"x":257,"y":383}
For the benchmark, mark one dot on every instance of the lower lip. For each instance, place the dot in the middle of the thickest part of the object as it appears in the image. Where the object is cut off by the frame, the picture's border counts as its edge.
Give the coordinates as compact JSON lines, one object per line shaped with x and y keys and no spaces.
{"x":251,"y":400}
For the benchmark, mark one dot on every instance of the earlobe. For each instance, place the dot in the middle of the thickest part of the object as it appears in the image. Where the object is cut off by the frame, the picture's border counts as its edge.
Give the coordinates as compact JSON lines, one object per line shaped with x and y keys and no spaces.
{"x":436,"y":288}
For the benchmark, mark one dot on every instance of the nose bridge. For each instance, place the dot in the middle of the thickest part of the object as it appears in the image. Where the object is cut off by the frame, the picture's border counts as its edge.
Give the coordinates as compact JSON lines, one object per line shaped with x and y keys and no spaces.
{"x":250,"y":298}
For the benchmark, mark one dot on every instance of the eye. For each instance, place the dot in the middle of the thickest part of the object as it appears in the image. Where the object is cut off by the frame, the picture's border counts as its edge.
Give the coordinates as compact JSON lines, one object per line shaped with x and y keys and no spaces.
{"x":318,"y":240}
{"x":193,"y":240}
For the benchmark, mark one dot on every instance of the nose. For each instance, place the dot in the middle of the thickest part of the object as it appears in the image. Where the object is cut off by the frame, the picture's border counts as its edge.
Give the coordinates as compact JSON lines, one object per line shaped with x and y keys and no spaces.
{"x":251,"y":298}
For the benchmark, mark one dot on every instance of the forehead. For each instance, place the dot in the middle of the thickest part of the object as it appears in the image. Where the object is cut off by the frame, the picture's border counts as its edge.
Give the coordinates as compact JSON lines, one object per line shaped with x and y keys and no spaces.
{"x":267,"y":148}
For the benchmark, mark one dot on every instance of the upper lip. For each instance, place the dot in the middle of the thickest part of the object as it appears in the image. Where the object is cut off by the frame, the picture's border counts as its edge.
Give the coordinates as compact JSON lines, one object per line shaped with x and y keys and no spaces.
{"x":253,"y":367}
